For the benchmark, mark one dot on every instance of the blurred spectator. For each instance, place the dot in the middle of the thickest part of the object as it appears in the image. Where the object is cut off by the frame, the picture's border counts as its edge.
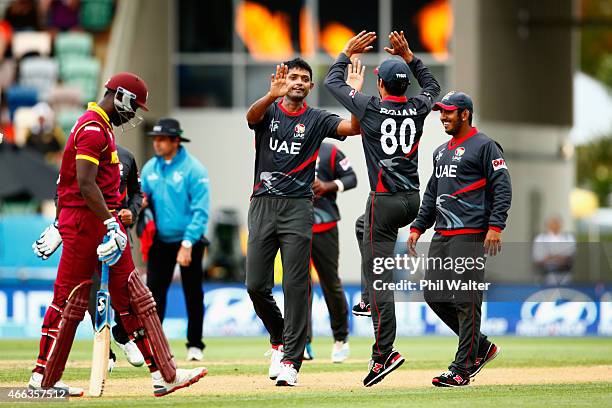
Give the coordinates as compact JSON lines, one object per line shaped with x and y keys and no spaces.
{"x":61,"y":14}
{"x":22,"y":15}
{"x":45,"y":136}
{"x":554,"y":252}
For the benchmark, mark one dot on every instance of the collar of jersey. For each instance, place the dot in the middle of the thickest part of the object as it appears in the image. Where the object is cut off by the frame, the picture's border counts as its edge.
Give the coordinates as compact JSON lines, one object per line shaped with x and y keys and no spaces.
{"x":94,"y":107}
{"x":452,"y":144}
{"x":296,"y":113}
{"x":395,"y":98}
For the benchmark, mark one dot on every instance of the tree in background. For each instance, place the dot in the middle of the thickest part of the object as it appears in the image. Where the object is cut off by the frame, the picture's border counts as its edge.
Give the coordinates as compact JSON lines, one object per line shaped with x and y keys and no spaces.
{"x":594,"y":168}
{"x":596,"y":39}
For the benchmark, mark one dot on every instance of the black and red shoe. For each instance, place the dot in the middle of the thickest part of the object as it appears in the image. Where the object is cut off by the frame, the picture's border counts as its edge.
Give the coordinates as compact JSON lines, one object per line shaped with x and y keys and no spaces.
{"x":489,"y":354}
{"x":450,"y":379}
{"x":381,"y":367}
{"x":362,"y":309}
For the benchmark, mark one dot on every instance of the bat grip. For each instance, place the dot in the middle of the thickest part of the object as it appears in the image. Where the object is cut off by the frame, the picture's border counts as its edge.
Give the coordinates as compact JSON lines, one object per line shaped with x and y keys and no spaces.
{"x":104,"y":276}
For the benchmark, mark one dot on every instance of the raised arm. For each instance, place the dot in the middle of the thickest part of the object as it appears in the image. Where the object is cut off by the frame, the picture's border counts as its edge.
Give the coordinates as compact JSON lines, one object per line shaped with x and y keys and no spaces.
{"x":430,"y":89}
{"x":278,"y":87}
{"x":350,"y":97}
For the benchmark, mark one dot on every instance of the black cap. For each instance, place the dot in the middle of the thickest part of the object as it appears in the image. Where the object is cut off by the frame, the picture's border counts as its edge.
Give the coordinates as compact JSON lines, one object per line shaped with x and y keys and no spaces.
{"x":393,"y":69}
{"x":455,"y":100}
{"x":168,"y":127}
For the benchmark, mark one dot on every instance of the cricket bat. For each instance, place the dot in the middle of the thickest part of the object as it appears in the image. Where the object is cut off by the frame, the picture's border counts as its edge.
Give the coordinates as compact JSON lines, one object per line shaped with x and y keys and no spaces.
{"x":101,"y":343}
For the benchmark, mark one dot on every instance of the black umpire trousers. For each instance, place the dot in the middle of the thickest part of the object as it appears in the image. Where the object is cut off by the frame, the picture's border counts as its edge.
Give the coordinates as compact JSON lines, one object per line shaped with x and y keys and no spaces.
{"x":459,"y":309}
{"x":160,"y":268}
{"x":385,"y":214}
{"x":325,"y":253}
{"x":286,"y":224}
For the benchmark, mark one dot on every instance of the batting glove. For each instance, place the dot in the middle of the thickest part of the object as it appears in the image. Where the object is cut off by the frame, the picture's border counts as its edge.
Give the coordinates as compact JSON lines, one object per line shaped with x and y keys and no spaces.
{"x":48,"y":242}
{"x":115,"y":241}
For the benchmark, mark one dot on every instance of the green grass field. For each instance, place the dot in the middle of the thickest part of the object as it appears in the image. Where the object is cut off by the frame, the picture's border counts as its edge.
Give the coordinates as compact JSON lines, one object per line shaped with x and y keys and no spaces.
{"x":529,"y":372}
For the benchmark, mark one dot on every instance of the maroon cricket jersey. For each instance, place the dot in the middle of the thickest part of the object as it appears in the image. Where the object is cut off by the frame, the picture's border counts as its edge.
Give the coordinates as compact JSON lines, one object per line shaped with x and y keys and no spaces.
{"x":92,"y":139}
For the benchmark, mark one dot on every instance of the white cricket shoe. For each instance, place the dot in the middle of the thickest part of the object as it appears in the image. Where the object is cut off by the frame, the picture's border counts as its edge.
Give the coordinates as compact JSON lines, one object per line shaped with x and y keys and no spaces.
{"x":36,"y":380}
{"x":340,"y":351}
{"x":276,"y":355}
{"x":132,"y":353}
{"x":184,"y":378}
{"x":194,"y":354}
{"x":288,"y":376}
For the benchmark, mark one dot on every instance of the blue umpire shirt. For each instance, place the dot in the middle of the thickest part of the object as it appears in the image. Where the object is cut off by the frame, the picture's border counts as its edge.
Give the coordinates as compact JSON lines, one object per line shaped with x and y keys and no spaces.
{"x":178,"y":191}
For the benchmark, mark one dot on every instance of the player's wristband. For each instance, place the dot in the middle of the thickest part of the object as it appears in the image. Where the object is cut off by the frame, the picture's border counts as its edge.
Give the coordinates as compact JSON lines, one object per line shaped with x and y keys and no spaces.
{"x":494,"y":228}
{"x":108,"y":221}
{"x":340,"y":185}
{"x":418,"y":231}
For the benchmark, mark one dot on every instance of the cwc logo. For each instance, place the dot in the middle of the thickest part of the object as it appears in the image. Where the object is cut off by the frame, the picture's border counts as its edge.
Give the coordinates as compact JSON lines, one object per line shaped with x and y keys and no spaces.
{"x":499,"y":164}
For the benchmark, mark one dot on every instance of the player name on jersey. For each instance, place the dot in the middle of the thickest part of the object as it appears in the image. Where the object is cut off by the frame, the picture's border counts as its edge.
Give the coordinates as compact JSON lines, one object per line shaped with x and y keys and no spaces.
{"x":398,"y":112}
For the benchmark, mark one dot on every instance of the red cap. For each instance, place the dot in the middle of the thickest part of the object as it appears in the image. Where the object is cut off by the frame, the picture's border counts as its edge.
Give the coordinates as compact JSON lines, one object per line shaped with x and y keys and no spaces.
{"x":132,"y":83}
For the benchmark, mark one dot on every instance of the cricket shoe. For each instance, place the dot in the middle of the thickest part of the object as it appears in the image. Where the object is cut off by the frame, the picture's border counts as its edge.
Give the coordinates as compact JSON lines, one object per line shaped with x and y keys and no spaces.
{"x":36,"y":380}
{"x":308,"y":353}
{"x":450,"y":379}
{"x":184,"y":378}
{"x":340,"y":351}
{"x":362,"y":309}
{"x":287,"y":376}
{"x":381,"y":367}
{"x":194,"y":354}
{"x":132,"y":353}
{"x":276,"y":355}
{"x":491,"y":352}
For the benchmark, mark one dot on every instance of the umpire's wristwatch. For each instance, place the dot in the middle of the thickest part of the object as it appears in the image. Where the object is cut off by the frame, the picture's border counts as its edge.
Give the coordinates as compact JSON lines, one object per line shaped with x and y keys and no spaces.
{"x":186,"y":243}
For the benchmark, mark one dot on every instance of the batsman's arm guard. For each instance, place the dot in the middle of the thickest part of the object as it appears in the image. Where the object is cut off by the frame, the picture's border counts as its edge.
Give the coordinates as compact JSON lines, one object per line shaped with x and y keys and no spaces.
{"x":73,"y":313}
{"x":143,"y":305}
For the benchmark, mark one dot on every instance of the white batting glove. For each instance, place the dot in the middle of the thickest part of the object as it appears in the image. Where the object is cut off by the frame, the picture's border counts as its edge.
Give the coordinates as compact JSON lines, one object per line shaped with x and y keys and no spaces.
{"x":49,"y":241}
{"x":115,"y":241}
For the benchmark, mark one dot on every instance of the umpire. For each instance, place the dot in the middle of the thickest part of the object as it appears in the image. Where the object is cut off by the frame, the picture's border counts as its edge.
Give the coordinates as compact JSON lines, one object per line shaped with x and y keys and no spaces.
{"x":334,"y":175}
{"x":468,"y":197}
{"x":176,"y":187}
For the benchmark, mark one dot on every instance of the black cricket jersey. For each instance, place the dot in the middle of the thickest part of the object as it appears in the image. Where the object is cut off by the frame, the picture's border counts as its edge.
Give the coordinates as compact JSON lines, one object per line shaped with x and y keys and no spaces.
{"x":332,"y":165}
{"x":287,"y":145}
{"x":469,"y":190}
{"x":391,"y":128}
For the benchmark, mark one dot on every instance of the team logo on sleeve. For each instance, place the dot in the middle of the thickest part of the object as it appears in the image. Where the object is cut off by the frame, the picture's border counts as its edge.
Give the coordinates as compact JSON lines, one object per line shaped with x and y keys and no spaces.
{"x":299,"y":130}
{"x":352,"y":93}
{"x":459,"y":152}
{"x":499,"y":164}
{"x":345,"y":164}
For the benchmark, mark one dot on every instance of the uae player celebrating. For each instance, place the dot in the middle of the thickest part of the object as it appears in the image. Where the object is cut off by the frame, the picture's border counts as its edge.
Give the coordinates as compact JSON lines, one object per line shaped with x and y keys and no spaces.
{"x":288,"y":134}
{"x":468,"y":197}
{"x":88,"y":198}
{"x":391,"y":126}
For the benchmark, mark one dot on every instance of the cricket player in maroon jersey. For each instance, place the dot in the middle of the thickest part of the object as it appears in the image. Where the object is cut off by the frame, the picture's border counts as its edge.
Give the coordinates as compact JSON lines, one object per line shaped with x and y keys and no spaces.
{"x":88,"y":199}
{"x":468,"y":197}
